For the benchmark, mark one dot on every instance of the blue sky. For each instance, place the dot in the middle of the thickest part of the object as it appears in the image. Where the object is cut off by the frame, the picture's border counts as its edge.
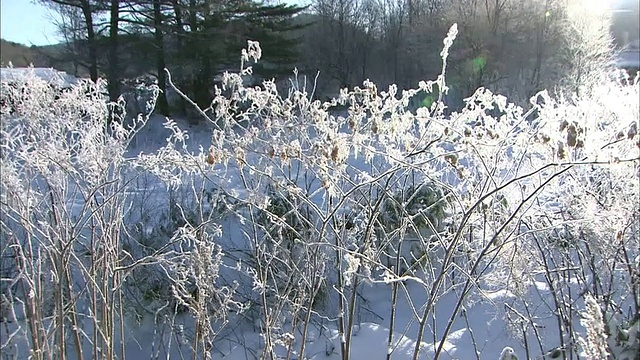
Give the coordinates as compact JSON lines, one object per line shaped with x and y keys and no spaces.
{"x":27,"y":23}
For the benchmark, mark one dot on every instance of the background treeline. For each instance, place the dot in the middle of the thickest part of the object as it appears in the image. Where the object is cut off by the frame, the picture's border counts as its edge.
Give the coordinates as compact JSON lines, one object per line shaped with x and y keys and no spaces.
{"x":510,"y":46}
{"x":513,"y":47}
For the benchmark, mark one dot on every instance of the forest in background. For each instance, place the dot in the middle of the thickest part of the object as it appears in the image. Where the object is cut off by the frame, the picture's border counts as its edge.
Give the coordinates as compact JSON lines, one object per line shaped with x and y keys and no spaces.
{"x":288,"y":230}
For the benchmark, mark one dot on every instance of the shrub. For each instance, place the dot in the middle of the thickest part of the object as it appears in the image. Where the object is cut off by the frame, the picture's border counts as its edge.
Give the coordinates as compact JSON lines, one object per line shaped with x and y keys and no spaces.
{"x":311,"y":205}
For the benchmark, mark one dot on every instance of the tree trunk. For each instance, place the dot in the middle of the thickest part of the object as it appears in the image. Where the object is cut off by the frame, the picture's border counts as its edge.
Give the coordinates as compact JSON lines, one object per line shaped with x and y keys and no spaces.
{"x":163,"y":105}
{"x":201,"y":81}
{"x":113,"y":80}
{"x":179,"y":24}
{"x":91,"y":38}
{"x":180,"y":35}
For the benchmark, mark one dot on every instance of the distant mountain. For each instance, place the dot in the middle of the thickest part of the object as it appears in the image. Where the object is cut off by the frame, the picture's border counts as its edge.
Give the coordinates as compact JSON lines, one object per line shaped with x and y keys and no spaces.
{"x":47,"y":56}
{"x":20,"y":55}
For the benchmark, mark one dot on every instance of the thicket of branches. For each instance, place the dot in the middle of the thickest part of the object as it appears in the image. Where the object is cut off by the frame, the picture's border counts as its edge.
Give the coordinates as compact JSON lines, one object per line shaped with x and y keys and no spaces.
{"x":516,"y":48}
{"x":293,"y":209}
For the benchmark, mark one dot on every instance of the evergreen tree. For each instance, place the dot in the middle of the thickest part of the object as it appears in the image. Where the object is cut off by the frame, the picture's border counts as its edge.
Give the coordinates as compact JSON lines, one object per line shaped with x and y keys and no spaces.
{"x":194,"y":39}
{"x":217,"y":33}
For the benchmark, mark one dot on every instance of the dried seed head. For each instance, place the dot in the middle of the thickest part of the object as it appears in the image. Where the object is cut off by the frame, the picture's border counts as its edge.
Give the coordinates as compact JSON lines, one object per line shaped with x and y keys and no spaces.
{"x":561,"y":151}
{"x":240,"y":156}
{"x":451,"y":159}
{"x":572,"y":136}
{"x":211,"y":159}
{"x":564,"y":125}
{"x":334,"y":153}
{"x":633,"y":130}
{"x":545,"y":138}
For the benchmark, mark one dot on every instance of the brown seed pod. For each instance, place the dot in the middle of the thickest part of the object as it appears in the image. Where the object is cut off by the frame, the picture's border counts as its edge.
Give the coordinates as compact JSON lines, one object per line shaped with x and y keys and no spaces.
{"x":334,"y":153}
{"x":572,"y":136}
{"x":633,"y":130}
{"x":211,"y":159}
{"x":564,"y":125}
{"x":561,"y":151}
{"x":352,"y":123}
{"x":545,"y":138}
{"x":451,"y":159}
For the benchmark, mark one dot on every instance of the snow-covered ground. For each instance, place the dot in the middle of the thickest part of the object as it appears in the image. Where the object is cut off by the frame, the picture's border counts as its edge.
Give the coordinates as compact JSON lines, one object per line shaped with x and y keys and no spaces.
{"x":60,"y":79}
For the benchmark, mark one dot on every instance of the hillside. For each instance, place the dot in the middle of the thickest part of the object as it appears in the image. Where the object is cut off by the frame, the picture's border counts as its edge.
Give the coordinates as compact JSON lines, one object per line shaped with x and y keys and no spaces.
{"x":20,"y":55}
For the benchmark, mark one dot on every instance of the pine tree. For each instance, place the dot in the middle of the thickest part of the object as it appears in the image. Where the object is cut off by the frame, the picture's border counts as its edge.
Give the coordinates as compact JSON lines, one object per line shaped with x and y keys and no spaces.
{"x":218,"y":32}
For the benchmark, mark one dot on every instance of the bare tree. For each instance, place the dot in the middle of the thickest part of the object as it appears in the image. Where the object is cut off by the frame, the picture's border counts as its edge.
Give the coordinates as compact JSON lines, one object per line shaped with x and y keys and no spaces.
{"x":69,"y":23}
{"x":88,"y":8}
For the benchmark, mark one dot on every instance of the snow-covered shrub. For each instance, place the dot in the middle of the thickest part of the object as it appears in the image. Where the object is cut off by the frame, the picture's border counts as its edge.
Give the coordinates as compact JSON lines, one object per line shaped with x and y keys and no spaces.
{"x":594,"y":344}
{"x":333,"y":184}
{"x":312,"y":207}
{"x":419,"y":212}
{"x":283,"y":218}
{"x":139,"y":94}
{"x":66,"y":195}
{"x":63,"y":172}
{"x":425,"y":205}
{"x":195,"y":285}
{"x":624,"y":340}
{"x":581,"y":234}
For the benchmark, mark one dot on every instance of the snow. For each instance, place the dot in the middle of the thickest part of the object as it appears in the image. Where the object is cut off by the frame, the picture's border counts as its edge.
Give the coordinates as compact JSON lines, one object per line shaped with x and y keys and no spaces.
{"x":628,"y":58}
{"x":55,"y":77}
{"x":498,"y":295}
{"x":542,"y":286}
